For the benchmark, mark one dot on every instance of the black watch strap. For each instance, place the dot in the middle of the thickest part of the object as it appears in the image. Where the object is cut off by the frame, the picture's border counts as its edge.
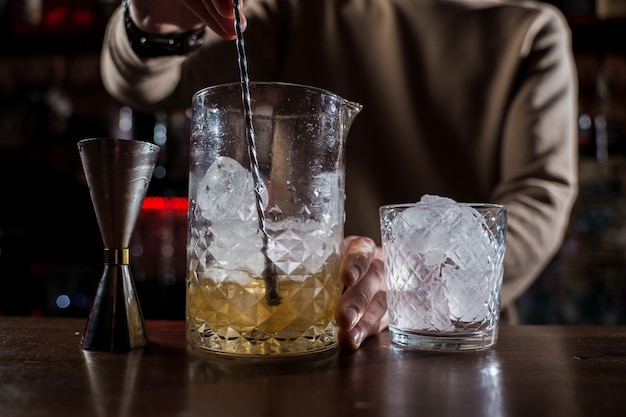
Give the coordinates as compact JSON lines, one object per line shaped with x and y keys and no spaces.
{"x":147,"y":45}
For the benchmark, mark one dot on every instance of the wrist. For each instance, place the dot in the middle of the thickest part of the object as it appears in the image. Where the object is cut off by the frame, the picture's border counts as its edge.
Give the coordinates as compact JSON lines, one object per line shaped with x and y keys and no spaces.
{"x":149,"y":45}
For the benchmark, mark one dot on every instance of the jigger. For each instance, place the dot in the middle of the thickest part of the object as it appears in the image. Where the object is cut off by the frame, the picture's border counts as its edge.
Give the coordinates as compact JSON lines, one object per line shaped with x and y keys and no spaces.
{"x":118,"y":172}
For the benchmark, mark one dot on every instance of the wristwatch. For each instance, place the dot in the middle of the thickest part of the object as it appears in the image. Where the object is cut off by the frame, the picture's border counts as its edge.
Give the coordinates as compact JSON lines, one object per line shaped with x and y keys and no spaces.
{"x":147,"y":45}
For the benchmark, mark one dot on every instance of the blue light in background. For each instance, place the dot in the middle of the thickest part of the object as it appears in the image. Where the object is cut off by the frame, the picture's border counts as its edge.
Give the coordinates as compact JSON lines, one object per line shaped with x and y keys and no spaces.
{"x":63,"y":301}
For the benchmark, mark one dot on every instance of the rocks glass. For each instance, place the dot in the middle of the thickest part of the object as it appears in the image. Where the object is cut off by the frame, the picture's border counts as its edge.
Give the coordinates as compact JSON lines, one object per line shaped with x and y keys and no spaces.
{"x":444,"y":264}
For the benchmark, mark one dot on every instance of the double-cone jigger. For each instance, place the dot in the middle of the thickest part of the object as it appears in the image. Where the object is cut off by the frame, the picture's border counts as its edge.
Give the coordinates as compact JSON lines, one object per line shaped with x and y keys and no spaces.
{"x":118,"y":172}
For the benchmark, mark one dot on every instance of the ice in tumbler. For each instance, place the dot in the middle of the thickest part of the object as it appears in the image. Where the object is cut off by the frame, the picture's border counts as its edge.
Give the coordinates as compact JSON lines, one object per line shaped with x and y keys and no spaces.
{"x":444,"y":265}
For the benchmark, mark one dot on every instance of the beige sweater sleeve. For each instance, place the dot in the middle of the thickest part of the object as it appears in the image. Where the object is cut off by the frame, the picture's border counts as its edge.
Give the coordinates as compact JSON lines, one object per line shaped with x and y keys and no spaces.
{"x":539,"y":155}
{"x":141,"y":83}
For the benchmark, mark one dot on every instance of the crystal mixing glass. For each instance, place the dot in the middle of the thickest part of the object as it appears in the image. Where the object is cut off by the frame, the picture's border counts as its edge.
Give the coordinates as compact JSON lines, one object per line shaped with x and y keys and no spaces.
{"x":300,"y":144}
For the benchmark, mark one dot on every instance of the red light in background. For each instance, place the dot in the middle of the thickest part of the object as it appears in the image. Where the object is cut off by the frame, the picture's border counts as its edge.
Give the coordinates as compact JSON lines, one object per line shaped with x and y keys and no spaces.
{"x":55,"y":16}
{"x":164,"y":203}
{"x":83,"y":17}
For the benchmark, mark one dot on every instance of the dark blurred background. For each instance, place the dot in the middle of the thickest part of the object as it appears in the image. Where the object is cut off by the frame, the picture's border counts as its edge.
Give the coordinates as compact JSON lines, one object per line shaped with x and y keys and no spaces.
{"x":51,"y":96}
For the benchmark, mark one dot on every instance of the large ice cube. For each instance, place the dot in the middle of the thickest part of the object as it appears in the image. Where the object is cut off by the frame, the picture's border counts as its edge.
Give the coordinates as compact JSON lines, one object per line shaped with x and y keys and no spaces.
{"x":227,"y":192}
{"x":421,"y":300}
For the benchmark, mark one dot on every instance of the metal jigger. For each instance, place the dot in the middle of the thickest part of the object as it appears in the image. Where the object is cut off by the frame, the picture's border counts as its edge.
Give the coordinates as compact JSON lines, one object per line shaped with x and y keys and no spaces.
{"x":118,"y":172}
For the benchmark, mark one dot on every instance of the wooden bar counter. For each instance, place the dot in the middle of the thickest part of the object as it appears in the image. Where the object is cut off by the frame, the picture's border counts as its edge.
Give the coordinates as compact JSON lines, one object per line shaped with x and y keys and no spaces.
{"x":533,"y":371}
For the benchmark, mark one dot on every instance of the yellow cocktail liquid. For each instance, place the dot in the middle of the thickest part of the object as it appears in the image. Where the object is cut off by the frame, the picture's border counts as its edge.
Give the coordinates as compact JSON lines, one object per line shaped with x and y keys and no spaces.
{"x":233,"y":317}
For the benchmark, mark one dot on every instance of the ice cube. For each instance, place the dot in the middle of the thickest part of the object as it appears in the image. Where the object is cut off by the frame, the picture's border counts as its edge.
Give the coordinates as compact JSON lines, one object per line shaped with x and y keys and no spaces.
{"x":227,"y":192}
{"x":454,"y":237}
{"x":300,"y":248}
{"x":435,"y":199}
{"x":237,"y":244}
{"x":327,"y":194}
{"x":423,"y":306}
{"x":468,"y":293}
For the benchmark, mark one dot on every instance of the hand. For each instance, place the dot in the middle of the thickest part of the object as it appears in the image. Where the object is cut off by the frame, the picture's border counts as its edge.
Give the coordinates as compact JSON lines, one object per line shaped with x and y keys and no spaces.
{"x":362,"y":309}
{"x":166,"y":16}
